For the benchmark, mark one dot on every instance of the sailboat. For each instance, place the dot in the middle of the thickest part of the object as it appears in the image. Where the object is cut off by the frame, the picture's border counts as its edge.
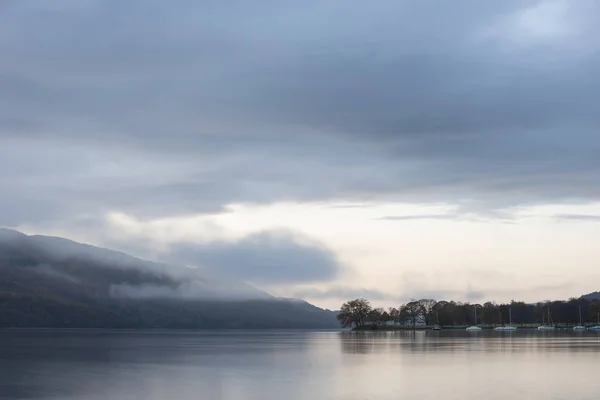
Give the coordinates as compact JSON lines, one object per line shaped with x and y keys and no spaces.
{"x":437,"y":326}
{"x":546,"y":327}
{"x":509,"y":327}
{"x":474,"y":328}
{"x":597,"y":327}
{"x":579,"y":327}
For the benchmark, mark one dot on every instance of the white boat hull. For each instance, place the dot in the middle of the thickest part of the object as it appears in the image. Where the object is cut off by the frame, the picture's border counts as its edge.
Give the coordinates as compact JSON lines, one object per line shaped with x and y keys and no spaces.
{"x":545,"y":328}
{"x":473,"y":329}
{"x":579,"y":328}
{"x":506,"y":328}
{"x":595,"y":328}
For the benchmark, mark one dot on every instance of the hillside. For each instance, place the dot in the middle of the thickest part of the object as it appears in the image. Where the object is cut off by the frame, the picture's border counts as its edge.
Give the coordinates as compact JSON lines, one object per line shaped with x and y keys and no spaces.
{"x":55,"y":282}
{"x":591,"y":296}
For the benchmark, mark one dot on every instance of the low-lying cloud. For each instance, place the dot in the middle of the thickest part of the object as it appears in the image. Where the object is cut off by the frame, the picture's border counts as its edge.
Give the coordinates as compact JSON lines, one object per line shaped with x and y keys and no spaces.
{"x":267,"y":258}
{"x":579,"y":217}
{"x":419,"y":217}
{"x":336,"y":292}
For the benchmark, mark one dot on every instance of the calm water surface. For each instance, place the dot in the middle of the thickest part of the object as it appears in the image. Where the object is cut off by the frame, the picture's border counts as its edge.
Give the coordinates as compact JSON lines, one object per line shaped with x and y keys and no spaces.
{"x":298,"y":365}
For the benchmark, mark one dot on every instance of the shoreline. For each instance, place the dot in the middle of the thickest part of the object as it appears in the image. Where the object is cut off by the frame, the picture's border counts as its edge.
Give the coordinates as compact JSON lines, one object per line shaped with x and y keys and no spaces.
{"x":524,"y":327}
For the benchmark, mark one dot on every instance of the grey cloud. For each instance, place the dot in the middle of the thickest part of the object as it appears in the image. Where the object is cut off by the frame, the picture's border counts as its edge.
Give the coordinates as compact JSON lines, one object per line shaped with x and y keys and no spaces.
{"x":473,"y":295}
{"x":188,"y":106}
{"x":147,"y":291}
{"x":188,"y":290}
{"x":579,"y":217}
{"x":121,"y":274}
{"x":338,"y":292}
{"x":263,"y":258}
{"x":395,"y":299}
{"x":363,"y":206}
{"x":343,"y":293}
{"x":48,"y":270}
{"x":417,"y":217}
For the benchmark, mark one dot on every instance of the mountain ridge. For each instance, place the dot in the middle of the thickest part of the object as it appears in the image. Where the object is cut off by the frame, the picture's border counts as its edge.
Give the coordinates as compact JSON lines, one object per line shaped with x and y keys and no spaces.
{"x":591,"y":296}
{"x":48,"y":281}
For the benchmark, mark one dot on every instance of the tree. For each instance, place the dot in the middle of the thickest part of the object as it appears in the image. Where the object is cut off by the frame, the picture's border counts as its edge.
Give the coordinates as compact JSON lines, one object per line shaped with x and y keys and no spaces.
{"x":490,"y":314}
{"x":375,"y":316}
{"x":444,"y":312}
{"x":394,"y":314}
{"x":428,"y":308}
{"x":594,"y":312}
{"x":359,"y":313}
{"x":412,"y":311}
{"x":385,"y":318}
{"x":476,"y":308}
{"x":355,"y":313}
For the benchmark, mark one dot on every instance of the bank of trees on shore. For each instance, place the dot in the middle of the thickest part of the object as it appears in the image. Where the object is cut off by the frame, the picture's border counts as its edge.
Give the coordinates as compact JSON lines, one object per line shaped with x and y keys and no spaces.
{"x":359,"y":313}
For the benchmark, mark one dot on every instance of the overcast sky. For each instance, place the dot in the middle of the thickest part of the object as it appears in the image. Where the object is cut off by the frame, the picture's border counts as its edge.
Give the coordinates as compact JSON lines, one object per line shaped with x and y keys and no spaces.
{"x":317,"y":149}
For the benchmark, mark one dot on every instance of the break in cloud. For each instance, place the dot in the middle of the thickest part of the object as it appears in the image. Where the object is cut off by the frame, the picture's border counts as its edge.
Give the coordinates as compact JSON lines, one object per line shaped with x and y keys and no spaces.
{"x":157,"y":108}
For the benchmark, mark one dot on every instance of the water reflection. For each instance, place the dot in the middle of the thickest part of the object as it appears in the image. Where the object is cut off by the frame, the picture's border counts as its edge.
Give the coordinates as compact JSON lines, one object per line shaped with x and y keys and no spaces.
{"x":89,"y":365}
{"x":460,"y":341}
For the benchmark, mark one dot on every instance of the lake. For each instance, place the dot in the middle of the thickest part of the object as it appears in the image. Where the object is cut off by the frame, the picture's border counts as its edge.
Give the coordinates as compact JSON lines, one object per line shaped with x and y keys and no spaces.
{"x":62,"y":364}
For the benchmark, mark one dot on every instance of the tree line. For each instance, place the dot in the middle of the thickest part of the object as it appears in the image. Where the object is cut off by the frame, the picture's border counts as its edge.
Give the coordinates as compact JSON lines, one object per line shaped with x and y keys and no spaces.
{"x":359,"y":313}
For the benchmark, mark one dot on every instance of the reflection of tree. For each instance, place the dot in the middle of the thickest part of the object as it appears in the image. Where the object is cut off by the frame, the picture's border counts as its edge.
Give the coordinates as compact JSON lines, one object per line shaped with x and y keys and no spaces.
{"x":359,"y":342}
{"x":368,"y":342}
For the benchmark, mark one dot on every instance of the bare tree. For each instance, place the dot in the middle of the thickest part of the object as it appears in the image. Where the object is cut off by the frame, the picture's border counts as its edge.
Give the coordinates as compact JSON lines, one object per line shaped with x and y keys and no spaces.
{"x":355,"y":313}
{"x":428,"y":306}
{"x":412,"y":311}
{"x":394,"y":314}
{"x":376,"y":316}
{"x":385,"y":318}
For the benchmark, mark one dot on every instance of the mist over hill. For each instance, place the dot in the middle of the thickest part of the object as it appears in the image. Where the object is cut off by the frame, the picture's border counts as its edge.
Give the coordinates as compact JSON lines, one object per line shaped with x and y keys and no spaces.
{"x":54,"y":282}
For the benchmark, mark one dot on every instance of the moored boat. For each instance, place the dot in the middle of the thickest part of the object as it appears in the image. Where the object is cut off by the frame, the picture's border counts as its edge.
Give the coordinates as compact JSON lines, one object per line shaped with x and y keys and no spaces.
{"x":597,"y":327}
{"x":474,"y":328}
{"x":549,"y":327}
{"x":509,"y":327}
{"x":579,"y":327}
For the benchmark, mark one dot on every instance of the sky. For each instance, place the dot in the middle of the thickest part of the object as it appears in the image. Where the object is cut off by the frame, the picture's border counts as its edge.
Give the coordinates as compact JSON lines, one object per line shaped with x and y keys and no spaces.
{"x":327,"y":150}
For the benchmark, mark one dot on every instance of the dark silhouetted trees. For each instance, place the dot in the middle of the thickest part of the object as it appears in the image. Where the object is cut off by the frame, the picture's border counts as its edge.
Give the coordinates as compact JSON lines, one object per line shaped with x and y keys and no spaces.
{"x":413,"y":312}
{"x":451,"y":313}
{"x":355,"y":313}
{"x":428,"y":310}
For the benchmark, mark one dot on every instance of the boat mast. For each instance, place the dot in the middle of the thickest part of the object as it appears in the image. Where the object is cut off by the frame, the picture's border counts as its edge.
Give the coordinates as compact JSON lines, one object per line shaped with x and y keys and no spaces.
{"x":542,"y":316}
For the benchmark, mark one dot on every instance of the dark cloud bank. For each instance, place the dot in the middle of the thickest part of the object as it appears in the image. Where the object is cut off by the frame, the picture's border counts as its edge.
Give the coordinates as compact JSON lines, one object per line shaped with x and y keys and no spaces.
{"x":156,"y":108}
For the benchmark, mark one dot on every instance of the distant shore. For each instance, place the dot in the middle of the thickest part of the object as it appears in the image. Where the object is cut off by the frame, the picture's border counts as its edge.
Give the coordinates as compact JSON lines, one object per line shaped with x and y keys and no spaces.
{"x":455,"y":327}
